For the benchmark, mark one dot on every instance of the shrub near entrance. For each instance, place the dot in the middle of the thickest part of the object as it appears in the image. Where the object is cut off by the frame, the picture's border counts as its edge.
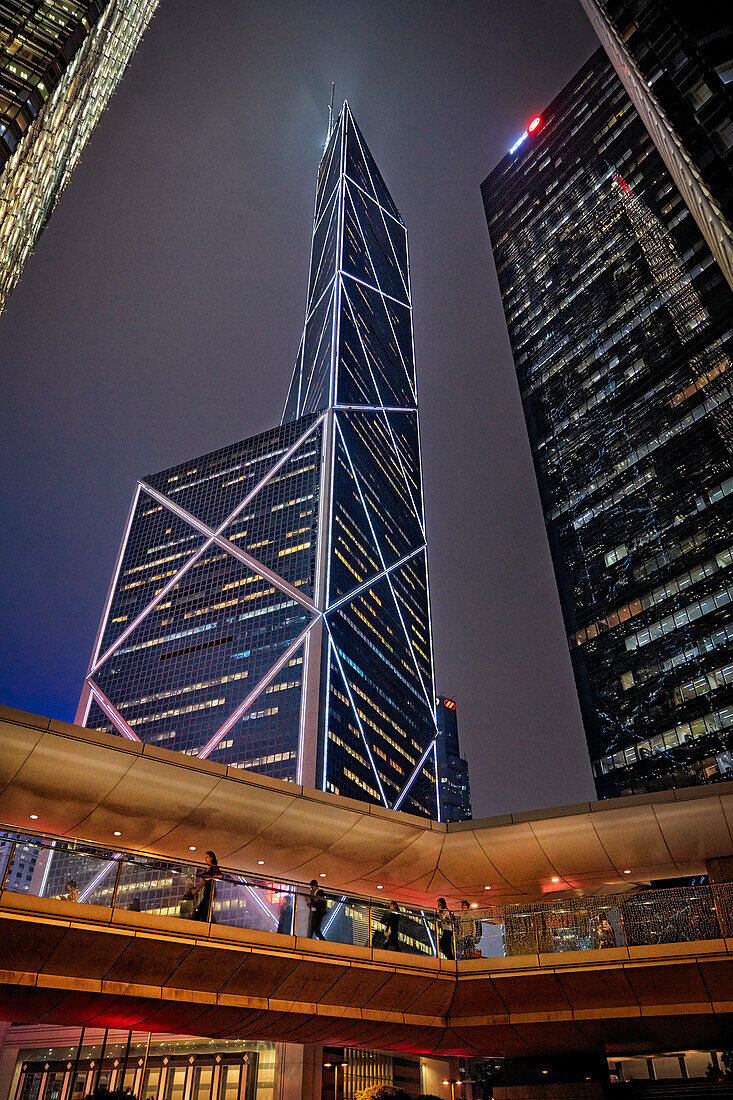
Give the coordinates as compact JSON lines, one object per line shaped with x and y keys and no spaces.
{"x":383,"y":1092}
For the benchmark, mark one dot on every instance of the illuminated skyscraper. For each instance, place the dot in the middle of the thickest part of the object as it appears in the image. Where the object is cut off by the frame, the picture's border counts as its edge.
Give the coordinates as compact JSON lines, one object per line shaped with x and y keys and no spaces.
{"x":620,"y":326}
{"x":60,"y":62}
{"x":675,"y":60}
{"x":270,"y":608}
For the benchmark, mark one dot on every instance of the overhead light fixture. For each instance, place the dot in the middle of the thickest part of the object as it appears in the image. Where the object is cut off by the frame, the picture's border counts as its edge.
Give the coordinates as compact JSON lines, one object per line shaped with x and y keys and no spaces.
{"x":260,"y":862}
{"x":627,"y":872}
{"x":487,"y":887}
{"x":33,"y":817}
{"x":117,"y":833}
{"x":380,"y":888}
{"x":323,"y":874}
{"x":192,"y":847}
{"x":555,"y":878}
{"x":474,"y":905}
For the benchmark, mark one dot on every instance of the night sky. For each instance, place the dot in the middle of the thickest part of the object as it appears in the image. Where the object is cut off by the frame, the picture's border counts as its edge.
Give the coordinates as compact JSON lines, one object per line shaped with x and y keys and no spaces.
{"x":160,"y":316}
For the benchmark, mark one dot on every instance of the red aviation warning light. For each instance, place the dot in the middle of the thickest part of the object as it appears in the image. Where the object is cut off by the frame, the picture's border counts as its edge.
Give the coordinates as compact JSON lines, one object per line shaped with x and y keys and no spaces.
{"x":534,"y":124}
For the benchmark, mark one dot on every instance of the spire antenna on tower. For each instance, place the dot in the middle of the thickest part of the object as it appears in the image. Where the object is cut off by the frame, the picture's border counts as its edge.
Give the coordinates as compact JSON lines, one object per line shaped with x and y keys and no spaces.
{"x":330,"y":108}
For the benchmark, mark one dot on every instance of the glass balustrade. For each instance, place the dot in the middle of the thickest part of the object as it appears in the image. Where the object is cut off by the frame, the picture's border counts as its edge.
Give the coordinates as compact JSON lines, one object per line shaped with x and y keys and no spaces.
{"x":69,"y":870}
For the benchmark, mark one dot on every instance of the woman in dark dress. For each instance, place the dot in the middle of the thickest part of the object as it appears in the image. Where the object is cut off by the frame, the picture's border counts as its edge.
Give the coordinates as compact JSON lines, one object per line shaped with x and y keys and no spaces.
{"x":391,"y":922}
{"x":445,"y":925}
{"x":206,"y":888}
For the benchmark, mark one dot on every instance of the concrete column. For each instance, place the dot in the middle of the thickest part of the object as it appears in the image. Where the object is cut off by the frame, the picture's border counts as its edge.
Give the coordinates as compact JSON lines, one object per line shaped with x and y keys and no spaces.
{"x":298,"y":1072}
{"x":8,"y":1059}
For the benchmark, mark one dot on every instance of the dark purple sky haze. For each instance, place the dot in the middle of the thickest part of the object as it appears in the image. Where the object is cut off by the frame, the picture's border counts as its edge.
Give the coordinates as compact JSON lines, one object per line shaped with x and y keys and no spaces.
{"x":160,"y":316}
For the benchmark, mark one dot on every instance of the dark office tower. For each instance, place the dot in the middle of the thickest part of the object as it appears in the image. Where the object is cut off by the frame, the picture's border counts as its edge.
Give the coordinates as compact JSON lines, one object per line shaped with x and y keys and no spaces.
{"x":269,"y":608}
{"x":60,"y":61}
{"x":455,"y":790}
{"x":675,"y":60}
{"x":621,"y":329}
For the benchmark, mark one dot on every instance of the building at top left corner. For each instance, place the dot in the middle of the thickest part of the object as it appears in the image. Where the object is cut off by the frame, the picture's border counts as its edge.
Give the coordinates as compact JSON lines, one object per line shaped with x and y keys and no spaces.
{"x":60,"y":62}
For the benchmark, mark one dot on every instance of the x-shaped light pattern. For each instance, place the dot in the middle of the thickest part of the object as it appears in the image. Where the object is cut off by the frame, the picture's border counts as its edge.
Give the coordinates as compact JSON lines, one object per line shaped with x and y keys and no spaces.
{"x":214,"y":536}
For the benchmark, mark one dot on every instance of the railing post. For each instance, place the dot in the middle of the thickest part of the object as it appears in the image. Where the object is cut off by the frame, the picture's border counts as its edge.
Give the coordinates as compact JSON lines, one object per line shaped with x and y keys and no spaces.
{"x":7,"y":865}
{"x":369,"y":924}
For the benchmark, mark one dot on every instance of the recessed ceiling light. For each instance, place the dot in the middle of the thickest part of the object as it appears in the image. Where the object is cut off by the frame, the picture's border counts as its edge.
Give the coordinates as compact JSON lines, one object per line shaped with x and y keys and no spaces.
{"x":117,"y":833}
{"x":487,"y":887}
{"x":474,"y":905}
{"x":192,"y":847}
{"x":260,"y":862}
{"x":323,"y":874}
{"x":33,"y":817}
{"x":380,"y":888}
{"x":627,"y":872}
{"x":554,"y":878}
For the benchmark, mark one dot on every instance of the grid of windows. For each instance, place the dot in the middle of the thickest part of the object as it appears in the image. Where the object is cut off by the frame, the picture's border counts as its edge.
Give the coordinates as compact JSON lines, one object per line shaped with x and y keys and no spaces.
{"x":676,"y":61}
{"x":620,"y":328}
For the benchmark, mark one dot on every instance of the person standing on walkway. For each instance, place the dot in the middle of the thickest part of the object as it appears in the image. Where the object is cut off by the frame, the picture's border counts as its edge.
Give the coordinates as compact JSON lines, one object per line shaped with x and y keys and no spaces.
{"x":391,"y":923}
{"x":465,"y":933}
{"x":317,"y":905}
{"x":206,"y":889}
{"x":445,"y":924}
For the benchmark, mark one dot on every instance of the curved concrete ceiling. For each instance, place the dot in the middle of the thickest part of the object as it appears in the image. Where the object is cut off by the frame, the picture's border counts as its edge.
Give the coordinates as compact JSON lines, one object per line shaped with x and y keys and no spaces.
{"x":85,"y":784}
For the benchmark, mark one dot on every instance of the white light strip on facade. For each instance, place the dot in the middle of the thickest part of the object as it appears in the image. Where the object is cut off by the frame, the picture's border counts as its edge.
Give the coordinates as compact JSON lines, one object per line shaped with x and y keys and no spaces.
{"x":373,"y":580}
{"x":174,"y":580}
{"x":327,"y":713}
{"x":382,"y":409}
{"x":376,"y":408}
{"x":430,"y":703}
{"x":414,"y":775}
{"x":375,"y":201}
{"x":437,"y":778}
{"x":370,"y":286}
{"x":371,"y":261}
{"x":256,"y":690}
{"x":115,"y":577}
{"x":112,"y":713}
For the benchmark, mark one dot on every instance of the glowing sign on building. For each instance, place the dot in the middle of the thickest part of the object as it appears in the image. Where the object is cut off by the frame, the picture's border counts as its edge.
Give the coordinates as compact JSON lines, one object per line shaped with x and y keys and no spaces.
{"x":449,"y":704}
{"x":531,"y":127}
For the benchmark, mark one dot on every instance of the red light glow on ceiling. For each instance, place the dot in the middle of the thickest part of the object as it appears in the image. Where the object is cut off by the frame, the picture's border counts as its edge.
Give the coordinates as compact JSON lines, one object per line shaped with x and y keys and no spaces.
{"x":534,"y":124}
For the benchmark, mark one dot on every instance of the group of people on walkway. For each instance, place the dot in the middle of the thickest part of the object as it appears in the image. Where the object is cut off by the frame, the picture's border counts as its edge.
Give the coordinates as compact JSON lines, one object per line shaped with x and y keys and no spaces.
{"x":464,"y":931}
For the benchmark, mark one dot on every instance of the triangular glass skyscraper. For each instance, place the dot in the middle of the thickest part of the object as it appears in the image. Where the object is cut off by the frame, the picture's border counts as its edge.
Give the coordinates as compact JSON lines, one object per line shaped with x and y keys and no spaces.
{"x":270,"y":604}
